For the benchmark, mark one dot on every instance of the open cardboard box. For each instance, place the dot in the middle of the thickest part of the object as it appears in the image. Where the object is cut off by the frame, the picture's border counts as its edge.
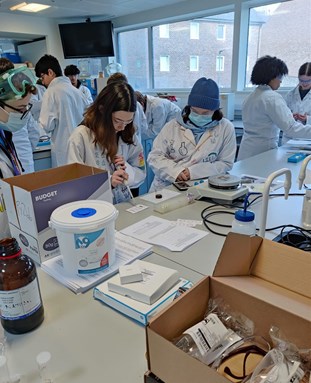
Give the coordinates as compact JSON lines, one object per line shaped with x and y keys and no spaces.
{"x":31,"y":198}
{"x":268,"y":282}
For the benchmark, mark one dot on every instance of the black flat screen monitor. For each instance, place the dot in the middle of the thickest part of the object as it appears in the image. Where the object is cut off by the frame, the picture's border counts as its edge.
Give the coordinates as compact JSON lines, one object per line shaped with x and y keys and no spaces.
{"x":89,"y":39}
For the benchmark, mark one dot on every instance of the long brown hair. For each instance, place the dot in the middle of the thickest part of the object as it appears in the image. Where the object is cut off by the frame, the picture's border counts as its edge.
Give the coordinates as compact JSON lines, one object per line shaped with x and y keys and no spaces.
{"x":117,"y":96}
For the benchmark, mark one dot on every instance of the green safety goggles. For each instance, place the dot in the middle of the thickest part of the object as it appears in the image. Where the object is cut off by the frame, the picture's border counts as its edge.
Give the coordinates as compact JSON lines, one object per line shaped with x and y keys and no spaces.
{"x":13,"y":83}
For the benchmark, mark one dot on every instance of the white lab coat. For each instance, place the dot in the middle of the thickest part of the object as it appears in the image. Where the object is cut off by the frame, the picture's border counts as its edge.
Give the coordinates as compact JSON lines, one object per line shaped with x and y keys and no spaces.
{"x":158,"y":112}
{"x":61,"y":112}
{"x":82,"y":149}
{"x":297,"y":105}
{"x":264,"y":114}
{"x":86,"y":93}
{"x":174,"y":149}
{"x":25,"y":141}
{"x":36,"y":101}
{"x":140,"y":121}
{"x":7,"y":171}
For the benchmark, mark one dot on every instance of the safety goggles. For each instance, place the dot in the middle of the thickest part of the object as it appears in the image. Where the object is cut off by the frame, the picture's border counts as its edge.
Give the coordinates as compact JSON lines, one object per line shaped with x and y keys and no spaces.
{"x":14,"y":81}
{"x":238,"y":362}
{"x":23,"y":113}
{"x":274,"y":368}
{"x":304,"y":82}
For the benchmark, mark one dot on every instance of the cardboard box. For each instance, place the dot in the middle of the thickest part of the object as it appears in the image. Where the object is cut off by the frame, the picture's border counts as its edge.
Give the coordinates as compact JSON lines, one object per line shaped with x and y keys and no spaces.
{"x":31,"y":198}
{"x":149,"y":377}
{"x":267,"y":281}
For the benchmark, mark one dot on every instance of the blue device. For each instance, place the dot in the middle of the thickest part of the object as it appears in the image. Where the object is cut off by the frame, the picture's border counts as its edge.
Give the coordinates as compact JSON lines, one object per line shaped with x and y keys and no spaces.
{"x":296,"y":157}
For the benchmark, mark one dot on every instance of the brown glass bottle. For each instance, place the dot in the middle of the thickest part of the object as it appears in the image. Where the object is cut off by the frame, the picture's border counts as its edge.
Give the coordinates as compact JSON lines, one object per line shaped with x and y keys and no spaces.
{"x":21,"y":308}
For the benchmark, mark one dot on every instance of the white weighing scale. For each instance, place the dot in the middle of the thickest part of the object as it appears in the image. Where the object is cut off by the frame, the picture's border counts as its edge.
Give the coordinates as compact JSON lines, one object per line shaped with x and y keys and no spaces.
{"x":223,"y":187}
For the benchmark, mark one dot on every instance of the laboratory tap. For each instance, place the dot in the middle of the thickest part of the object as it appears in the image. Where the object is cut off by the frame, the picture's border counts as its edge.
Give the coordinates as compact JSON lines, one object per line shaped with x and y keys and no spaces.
{"x":302,"y":173}
{"x":306,"y":206}
{"x":266,"y":192}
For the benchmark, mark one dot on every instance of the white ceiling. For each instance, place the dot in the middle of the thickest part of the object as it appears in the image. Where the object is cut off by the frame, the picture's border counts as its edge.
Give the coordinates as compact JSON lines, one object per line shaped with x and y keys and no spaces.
{"x":95,"y":9}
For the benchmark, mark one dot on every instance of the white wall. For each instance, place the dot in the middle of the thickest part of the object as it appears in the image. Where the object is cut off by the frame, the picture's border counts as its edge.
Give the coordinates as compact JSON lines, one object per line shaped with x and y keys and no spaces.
{"x":35,"y":27}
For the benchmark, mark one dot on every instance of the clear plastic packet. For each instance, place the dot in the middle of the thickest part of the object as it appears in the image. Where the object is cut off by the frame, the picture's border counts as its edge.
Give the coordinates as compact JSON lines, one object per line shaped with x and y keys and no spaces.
{"x":231,"y":318}
{"x":275,"y":368}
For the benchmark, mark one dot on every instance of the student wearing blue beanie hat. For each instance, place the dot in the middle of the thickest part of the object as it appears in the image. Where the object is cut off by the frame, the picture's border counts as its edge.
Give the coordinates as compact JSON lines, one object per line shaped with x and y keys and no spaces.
{"x":198,"y":143}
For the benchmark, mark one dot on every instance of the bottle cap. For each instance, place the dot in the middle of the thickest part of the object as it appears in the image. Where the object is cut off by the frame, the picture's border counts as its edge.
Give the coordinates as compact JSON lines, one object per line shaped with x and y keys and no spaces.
{"x":43,"y":358}
{"x":244,"y":216}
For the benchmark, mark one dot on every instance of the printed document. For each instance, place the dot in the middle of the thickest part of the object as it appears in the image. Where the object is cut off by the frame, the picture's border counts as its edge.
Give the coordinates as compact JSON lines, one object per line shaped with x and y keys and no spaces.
{"x":162,"y":232}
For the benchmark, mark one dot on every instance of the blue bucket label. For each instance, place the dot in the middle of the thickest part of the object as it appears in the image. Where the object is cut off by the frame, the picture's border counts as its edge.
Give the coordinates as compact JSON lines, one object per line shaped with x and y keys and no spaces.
{"x":84,"y":240}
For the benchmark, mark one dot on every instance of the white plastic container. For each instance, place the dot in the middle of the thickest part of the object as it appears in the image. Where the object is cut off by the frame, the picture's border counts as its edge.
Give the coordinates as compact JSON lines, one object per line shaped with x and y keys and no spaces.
{"x":244,"y":222}
{"x":86,"y":235}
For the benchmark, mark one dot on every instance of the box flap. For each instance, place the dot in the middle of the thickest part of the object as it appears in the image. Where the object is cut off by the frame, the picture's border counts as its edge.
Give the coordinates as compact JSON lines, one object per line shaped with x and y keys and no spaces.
{"x":284,"y":266}
{"x":45,"y":178}
{"x":237,"y":255}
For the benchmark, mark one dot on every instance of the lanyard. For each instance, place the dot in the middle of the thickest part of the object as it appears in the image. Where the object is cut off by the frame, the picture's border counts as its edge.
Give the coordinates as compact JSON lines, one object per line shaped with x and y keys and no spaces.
{"x":10,"y":152}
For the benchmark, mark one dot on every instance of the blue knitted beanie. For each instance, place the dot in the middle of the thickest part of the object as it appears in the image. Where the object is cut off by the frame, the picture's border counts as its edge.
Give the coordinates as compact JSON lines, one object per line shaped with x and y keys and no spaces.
{"x":204,"y":94}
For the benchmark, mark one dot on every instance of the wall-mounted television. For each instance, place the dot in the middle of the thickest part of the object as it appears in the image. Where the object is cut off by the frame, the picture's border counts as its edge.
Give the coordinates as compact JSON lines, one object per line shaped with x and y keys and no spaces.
{"x":89,"y":39}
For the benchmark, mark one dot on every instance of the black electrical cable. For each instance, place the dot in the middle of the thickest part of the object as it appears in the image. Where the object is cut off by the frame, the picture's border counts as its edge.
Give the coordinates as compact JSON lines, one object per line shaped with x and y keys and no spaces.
{"x":306,"y":242}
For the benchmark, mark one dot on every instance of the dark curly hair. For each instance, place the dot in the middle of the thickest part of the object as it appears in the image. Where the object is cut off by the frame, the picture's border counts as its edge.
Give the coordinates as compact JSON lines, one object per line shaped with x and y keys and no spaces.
{"x":266,"y":69}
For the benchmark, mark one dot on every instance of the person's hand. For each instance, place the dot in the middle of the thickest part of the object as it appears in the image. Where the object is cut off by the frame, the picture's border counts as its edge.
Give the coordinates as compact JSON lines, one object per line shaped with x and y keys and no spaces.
{"x":184,"y":175}
{"x":301,"y":117}
{"x":119,"y":162}
{"x":118,"y":177}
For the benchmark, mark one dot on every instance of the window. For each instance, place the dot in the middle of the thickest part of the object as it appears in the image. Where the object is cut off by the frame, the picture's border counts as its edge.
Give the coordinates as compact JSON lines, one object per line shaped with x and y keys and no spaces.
{"x":252,"y":31}
{"x":194,"y":63}
{"x":285,"y":18}
{"x":194,"y":30}
{"x":164,"y":63}
{"x":164,"y":31}
{"x":220,"y":63}
{"x":134,"y":57}
{"x":221,"y":28}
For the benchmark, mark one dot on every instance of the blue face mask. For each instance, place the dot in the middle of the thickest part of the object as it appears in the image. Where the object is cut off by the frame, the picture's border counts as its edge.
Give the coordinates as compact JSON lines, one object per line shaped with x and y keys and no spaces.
{"x":200,"y":119}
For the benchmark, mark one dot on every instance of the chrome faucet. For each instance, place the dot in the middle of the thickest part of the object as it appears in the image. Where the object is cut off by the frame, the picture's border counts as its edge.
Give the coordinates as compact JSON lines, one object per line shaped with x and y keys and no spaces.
{"x":266,"y":192}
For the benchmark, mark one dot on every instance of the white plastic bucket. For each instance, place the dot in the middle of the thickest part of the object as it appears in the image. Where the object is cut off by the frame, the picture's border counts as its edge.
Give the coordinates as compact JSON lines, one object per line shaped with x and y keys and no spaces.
{"x":86,"y":235}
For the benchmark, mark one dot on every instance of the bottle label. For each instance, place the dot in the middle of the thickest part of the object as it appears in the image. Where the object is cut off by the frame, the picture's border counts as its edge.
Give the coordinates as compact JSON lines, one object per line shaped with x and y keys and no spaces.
{"x":207,"y":333}
{"x":20,"y":303}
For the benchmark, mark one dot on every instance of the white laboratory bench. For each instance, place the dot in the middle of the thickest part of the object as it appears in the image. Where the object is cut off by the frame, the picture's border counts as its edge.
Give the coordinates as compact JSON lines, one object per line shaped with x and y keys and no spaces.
{"x":89,"y":341}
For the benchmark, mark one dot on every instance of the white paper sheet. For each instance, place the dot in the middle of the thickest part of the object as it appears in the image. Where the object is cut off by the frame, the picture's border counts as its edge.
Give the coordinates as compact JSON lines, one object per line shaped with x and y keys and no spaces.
{"x":162,"y":232}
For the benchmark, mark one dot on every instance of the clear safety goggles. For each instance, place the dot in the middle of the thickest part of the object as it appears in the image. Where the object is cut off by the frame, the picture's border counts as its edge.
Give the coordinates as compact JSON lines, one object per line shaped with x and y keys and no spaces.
{"x":305,"y":82}
{"x":275,"y":369}
{"x":14,"y":81}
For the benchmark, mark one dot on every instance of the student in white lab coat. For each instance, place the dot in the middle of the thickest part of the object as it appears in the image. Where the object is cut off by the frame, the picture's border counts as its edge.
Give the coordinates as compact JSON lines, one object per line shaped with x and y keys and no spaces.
{"x":16,"y":87}
{"x":72,"y":72}
{"x":197,"y":144}
{"x":62,"y":107}
{"x":265,"y":113}
{"x":158,"y":112}
{"x":25,"y":140}
{"x":106,"y":139}
{"x":299,"y":99}
{"x":140,"y":120}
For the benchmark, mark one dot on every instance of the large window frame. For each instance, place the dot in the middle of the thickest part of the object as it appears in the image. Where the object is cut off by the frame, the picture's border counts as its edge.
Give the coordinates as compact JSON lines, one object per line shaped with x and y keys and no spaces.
{"x":241,"y":11}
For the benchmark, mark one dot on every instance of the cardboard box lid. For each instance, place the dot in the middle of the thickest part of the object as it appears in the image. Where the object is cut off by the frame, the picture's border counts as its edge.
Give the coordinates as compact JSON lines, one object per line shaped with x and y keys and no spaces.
{"x":273,"y":262}
{"x":44,"y":178}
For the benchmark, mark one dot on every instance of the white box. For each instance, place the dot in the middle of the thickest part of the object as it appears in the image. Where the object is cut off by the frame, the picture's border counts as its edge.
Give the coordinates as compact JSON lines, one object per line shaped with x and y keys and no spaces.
{"x":140,"y":312}
{"x":130,"y":273}
{"x":31,"y":198}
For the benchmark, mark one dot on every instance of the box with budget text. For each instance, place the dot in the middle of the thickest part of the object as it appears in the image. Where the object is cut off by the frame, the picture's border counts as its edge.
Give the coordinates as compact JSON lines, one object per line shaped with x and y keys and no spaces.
{"x":264,"y":280}
{"x":31,"y":198}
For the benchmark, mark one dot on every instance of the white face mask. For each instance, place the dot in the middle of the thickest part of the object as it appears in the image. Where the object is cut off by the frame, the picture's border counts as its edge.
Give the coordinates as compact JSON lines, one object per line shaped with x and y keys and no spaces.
{"x":14,"y":123}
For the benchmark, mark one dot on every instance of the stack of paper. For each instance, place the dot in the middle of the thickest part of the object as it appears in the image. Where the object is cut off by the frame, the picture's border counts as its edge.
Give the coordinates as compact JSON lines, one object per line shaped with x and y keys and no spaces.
{"x":127,"y":250}
{"x":162,"y":232}
{"x":157,"y":280}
